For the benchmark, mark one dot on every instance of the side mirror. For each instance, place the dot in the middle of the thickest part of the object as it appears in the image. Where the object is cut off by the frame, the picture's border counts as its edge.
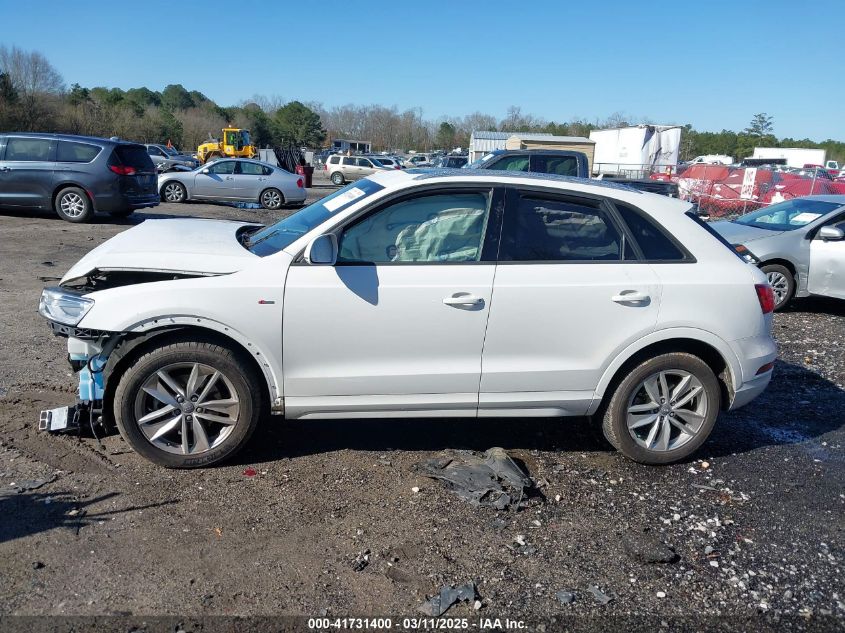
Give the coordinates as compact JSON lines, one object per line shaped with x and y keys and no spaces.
{"x":322,"y":251}
{"x":831,"y":233}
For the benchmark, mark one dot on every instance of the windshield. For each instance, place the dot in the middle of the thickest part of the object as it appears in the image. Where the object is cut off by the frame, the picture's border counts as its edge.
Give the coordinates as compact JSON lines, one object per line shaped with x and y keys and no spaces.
{"x":789,"y":215}
{"x":480,"y":162}
{"x":245,"y":137}
{"x":273,"y":238}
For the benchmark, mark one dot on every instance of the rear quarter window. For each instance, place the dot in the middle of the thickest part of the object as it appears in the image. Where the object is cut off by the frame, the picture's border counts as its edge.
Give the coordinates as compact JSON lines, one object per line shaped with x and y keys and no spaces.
{"x":653,"y":242}
{"x":72,"y":152}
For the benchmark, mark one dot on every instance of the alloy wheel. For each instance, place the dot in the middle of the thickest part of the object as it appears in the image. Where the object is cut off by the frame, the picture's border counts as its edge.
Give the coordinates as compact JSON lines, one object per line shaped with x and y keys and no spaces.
{"x":779,"y":284}
{"x":187,"y":408}
{"x":667,"y":410}
{"x":271,"y":199}
{"x":72,"y":205}
{"x":173,"y":192}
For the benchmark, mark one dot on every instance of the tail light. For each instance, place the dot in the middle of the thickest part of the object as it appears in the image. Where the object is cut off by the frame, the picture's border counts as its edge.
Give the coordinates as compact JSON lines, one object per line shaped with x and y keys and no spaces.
{"x":325,"y":167}
{"x":122,"y":170}
{"x":299,"y":183}
{"x":766,"y":297}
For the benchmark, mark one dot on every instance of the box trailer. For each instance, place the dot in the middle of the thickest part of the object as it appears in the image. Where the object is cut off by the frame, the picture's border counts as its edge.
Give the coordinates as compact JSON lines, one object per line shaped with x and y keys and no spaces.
{"x":636,"y":151}
{"x":795,"y":156}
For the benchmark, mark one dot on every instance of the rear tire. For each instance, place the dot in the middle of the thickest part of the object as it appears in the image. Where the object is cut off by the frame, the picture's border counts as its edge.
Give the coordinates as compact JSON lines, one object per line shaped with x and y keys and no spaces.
{"x":188,"y":403}
{"x":782,"y":282}
{"x":337,"y":178}
{"x":73,"y":205}
{"x":271,"y":199}
{"x":649,"y":431}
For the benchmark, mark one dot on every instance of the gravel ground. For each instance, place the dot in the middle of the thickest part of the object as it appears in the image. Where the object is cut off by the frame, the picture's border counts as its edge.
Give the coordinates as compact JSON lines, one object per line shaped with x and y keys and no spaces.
{"x":335,"y":521}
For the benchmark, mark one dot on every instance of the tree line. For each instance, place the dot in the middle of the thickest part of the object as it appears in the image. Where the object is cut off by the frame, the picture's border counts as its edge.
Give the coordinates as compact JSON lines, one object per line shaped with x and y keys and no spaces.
{"x":34,"y":97}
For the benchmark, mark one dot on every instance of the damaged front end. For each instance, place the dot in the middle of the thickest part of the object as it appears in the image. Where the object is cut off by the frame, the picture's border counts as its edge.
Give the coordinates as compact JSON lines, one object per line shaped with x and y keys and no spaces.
{"x":89,"y":350}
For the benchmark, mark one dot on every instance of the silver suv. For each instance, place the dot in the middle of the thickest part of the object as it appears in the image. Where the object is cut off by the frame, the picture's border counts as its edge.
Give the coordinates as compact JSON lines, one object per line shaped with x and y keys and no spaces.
{"x":343,"y":169}
{"x":166,"y":158}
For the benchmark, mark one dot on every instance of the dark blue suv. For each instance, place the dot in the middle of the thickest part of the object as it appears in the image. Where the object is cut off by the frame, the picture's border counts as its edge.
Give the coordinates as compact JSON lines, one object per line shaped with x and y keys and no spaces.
{"x":76,"y":176}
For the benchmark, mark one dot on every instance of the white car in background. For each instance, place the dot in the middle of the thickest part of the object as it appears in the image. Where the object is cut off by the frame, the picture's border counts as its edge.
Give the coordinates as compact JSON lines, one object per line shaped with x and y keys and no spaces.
{"x":470,"y":294}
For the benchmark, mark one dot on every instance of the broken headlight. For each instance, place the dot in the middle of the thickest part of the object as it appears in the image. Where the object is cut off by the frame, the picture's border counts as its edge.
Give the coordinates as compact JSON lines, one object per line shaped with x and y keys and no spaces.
{"x":746,"y":255}
{"x":63,"y":307}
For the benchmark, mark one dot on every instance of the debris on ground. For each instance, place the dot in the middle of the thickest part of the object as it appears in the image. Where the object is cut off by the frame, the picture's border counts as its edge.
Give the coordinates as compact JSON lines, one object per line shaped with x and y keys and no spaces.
{"x":250,"y":472}
{"x":26,"y":485}
{"x":565,"y":597}
{"x":361,"y":560}
{"x":491,"y":478}
{"x":646,"y":548}
{"x":439,"y":604}
{"x":599,"y":595}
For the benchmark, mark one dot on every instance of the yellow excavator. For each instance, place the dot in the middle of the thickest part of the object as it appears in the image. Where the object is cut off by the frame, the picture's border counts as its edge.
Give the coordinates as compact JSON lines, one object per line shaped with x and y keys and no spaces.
{"x":236,"y":143}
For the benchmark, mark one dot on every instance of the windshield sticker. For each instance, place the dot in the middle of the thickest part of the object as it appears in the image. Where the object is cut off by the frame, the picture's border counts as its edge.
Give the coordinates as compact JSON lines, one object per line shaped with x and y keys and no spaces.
{"x":805,"y":218}
{"x":350,"y":196}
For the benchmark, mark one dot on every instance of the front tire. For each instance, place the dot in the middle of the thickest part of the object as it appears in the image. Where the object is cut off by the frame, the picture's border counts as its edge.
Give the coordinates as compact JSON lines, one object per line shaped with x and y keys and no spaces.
{"x":782,"y":282}
{"x":337,"y":178}
{"x":174,"y":191}
{"x":72,"y":205}
{"x":188,"y":404}
{"x":664,"y":409}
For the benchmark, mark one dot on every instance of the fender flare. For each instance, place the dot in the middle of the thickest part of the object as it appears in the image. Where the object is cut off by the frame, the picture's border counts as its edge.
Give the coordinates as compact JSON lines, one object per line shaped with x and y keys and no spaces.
{"x":271,"y":373}
{"x":659,"y":336}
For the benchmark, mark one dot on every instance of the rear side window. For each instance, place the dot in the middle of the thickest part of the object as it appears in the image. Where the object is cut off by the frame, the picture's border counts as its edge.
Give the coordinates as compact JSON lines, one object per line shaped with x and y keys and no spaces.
{"x":348,"y":160}
{"x":561,"y":165}
{"x":254,"y":169}
{"x":549,"y":229}
{"x":134,"y":156}
{"x":71,"y":152}
{"x":333,"y":160}
{"x":28,"y":149}
{"x":655,"y":245}
{"x":511,"y":163}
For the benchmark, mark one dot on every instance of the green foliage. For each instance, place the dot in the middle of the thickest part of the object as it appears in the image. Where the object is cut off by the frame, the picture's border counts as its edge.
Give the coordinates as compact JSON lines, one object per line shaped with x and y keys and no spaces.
{"x":8,"y":94}
{"x":175,"y":97}
{"x":761,"y":125}
{"x":296,"y":124}
{"x":445,"y":138}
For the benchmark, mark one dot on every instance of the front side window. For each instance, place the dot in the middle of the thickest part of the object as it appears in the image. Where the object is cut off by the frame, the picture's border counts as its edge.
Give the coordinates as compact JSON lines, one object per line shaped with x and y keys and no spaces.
{"x":444,"y":227}
{"x":363,"y":162}
{"x":153,"y":151}
{"x":223,"y":167}
{"x":511,"y":163}
{"x":70,"y":152}
{"x":28,"y":149}
{"x":549,"y":229}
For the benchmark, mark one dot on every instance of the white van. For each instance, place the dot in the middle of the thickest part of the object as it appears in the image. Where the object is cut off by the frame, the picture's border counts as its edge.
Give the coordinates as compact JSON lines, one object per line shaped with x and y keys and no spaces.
{"x":713,"y":159}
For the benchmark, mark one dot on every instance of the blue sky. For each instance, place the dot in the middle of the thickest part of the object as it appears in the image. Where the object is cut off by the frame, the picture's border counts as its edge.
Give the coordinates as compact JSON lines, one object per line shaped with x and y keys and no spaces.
{"x":712,"y":63}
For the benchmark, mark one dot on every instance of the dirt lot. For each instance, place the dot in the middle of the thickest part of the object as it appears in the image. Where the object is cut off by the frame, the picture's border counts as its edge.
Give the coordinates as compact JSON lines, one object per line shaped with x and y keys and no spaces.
{"x":756,"y":519}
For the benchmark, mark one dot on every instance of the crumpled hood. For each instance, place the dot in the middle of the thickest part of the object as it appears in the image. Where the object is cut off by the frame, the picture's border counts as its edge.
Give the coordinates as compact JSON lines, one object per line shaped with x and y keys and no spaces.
{"x":739,"y":233}
{"x":205,"y":247}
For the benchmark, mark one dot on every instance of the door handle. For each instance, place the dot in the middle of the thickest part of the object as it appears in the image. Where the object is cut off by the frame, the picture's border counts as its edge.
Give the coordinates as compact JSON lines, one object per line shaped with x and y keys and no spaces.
{"x":463,"y":300}
{"x":630,"y":296}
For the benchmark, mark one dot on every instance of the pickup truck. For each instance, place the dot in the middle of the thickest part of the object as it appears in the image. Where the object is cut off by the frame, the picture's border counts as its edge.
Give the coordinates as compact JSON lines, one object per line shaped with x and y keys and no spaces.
{"x":562,"y":163}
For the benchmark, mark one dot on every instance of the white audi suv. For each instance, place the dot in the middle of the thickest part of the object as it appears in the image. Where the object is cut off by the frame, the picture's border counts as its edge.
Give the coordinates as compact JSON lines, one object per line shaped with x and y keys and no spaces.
{"x":420,"y":294}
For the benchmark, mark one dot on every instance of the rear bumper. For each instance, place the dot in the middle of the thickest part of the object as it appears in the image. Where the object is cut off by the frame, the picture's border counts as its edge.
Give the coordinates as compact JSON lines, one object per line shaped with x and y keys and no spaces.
{"x":750,"y":390}
{"x":120,"y":202}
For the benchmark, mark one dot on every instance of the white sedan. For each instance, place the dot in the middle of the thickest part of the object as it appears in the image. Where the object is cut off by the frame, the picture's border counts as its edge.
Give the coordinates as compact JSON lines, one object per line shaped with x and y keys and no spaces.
{"x":467,"y":294}
{"x":234,"y":180}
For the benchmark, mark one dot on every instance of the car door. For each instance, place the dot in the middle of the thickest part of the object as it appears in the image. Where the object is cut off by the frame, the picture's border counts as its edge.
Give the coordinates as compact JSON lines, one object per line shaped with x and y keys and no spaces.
{"x":216,"y":180}
{"x":397,"y":325}
{"x":827,"y":264}
{"x":365,"y":167}
{"x":249,"y":180}
{"x":349,"y":167}
{"x":27,"y":168}
{"x":567,"y":298}
{"x":156,"y":155}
